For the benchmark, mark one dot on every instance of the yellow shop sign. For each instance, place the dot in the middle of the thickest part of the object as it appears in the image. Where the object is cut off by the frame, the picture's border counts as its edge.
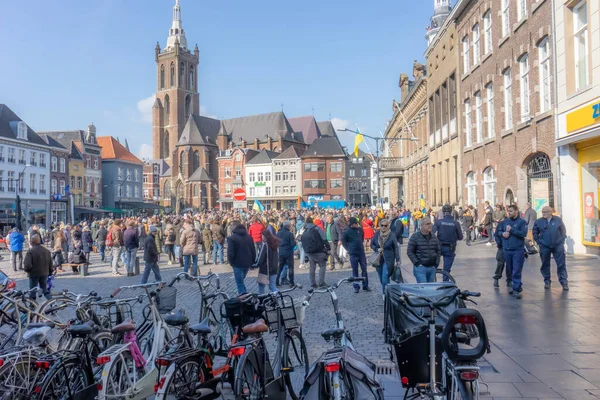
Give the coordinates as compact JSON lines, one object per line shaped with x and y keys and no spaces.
{"x":584,"y":117}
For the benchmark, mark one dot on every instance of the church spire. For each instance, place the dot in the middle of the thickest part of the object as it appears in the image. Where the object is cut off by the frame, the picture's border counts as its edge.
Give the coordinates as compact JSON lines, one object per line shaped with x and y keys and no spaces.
{"x":441,"y":10}
{"x":176,"y":31}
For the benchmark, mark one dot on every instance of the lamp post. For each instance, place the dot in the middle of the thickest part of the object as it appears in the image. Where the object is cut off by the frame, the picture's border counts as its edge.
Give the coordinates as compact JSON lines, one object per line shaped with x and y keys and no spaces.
{"x":18,"y":199}
{"x":378,"y":160}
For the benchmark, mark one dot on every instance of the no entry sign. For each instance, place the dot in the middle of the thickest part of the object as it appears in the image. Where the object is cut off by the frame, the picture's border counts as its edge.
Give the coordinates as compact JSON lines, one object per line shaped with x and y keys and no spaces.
{"x":239,"y":194}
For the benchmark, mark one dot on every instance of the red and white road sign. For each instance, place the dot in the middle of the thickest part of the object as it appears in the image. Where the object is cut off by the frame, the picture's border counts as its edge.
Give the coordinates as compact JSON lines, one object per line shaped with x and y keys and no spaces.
{"x":239,"y":194}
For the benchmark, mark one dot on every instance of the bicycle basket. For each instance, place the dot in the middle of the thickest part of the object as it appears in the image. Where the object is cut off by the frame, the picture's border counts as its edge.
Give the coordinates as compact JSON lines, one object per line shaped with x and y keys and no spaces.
{"x":166,"y":299}
{"x":240,"y":313}
{"x":289,"y":314}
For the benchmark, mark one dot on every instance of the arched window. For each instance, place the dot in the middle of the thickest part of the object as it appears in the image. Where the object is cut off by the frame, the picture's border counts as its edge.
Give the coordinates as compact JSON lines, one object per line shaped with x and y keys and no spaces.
{"x":182,"y":162}
{"x":196,"y":161}
{"x":489,"y":185}
{"x":471,"y":189}
{"x":162,"y":77}
{"x":195,"y":190}
{"x":182,"y":75}
{"x":167,"y":189}
{"x":191,"y":83}
{"x":165,"y":153}
{"x":207,"y":162}
{"x":188,"y":106}
{"x":539,"y":173}
{"x":167,"y":110}
{"x":172,"y":74}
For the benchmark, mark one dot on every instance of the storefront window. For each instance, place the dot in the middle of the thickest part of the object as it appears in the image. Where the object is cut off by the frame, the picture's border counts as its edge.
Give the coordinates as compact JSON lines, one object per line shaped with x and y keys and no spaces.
{"x":590,"y":190}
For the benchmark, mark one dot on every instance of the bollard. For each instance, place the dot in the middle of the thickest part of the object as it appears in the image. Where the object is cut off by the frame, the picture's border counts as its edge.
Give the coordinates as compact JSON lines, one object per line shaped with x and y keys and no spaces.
{"x":83,"y":269}
{"x":137,"y":266}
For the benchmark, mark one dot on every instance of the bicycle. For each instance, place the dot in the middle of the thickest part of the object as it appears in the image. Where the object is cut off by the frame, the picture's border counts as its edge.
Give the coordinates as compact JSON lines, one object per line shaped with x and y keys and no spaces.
{"x":459,"y":369}
{"x":255,"y":376}
{"x":338,"y":380}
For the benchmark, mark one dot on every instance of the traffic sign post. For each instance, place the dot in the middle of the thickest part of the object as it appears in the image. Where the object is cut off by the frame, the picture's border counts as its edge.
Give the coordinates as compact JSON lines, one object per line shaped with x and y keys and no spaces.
{"x":239,"y":194}
{"x":240,"y":204}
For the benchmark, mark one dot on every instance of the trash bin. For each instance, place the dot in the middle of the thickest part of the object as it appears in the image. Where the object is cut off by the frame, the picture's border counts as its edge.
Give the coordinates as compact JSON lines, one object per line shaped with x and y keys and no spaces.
{"x":83,"y":269}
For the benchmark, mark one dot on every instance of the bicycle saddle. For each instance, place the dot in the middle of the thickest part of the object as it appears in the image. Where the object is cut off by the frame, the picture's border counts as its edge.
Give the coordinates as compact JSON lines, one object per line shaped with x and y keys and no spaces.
{"x":81,"y":330}
{"x":176,"y":319}
{"x":34,"y":325}
{"x":125,"y":326}
{"x":333,"y":332}
{"x":202,"y":328}
{"x":257,"y":327}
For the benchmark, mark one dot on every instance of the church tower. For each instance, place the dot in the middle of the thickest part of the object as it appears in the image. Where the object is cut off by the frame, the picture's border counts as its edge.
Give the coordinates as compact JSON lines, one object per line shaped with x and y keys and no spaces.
{"x":176,"y":89}
{"x":441,"y":10}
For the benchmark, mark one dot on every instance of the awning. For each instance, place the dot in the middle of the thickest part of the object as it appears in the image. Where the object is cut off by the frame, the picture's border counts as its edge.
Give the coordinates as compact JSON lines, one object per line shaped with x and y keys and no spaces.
{"x":91,"y":210}
{"x":139,"y":204}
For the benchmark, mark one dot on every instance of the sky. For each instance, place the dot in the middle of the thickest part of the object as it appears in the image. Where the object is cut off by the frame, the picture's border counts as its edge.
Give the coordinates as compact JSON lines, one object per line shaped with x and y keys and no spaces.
{"x":67,"y":63}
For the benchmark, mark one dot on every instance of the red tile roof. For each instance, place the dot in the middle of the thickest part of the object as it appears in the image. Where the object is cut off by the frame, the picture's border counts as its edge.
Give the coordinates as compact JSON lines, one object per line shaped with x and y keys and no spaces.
{"x":113,"y":150}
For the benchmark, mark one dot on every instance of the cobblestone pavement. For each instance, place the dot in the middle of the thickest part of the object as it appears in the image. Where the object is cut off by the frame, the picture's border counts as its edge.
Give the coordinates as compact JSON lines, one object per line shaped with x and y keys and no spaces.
{"x":543,"y":346}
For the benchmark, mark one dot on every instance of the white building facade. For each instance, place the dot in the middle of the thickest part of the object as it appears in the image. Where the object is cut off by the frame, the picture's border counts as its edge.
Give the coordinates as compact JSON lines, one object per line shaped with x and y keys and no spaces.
{"x":259,"y":179}
{"x":287,"y":179}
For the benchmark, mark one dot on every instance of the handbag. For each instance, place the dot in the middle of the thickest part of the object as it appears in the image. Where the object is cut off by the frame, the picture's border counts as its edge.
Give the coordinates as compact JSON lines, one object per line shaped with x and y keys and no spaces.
{"x":374,"y":258}
{"x":263,"y":279}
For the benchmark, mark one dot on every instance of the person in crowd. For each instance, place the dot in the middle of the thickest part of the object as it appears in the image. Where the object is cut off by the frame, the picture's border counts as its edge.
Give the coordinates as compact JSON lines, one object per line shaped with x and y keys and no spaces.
{"x":207,"y":241}
{"x":530,"y":216}
{"x":467,"y":218}
{"x":369,"y":232}
{"x":143,"y":231}
{"x":499,"y":214}
{"x":131,"y":240}
{"x":190,"y":240}
{"x":353,"y":242}
{"x":77,"y":255}
{"x":151,"y":256}
{"x":299,"y":231}
{"x":334,"y":237}
{"x":500,"y":263}
{"x":424,"y":252}
{"x":15,"y":245}
{"x":218,"y":236}
{"x":512,"y":232}
{"x":549,"y":233}
{"x":87,"y":242}
{"x":116,"y":235}
{"x":488,"y":223}
{"x":287,"y":243}
{"x":170,"y":238}
{"x":255,"y":231}
{"x":38,"y":266}
{"x":178,"y":228}
{"x":396,"y":226}
{"x":417,"y":217}
{"x":386,"y":245}
{"x":271,"y":226}
{"x":100,"y":240}
{"x":159,"y":237}
{"x":59,"y":251}
{"x":267,"y":261}
{"x":448,"y":233}
{"x":316,"y":248}
{"x":241,"y":254}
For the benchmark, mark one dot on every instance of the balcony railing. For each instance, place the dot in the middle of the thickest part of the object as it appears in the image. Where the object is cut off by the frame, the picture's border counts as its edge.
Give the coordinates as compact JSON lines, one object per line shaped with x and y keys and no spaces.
{"x":390,"y":164}
{"x":22,"y":162}
{"x":11,"y":160}
{"x":42,"y":191}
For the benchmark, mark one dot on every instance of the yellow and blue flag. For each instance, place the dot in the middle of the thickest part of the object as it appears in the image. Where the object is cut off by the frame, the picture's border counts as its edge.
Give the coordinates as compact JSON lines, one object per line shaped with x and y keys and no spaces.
{"x":258,"y":206}
{"x":358,"y":139}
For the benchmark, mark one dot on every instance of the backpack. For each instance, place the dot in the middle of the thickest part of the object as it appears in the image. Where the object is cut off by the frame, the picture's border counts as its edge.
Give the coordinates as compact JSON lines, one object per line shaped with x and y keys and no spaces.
{"x":109,"y":239}
{"x":312,"y":241}
{"x":78,"y":255}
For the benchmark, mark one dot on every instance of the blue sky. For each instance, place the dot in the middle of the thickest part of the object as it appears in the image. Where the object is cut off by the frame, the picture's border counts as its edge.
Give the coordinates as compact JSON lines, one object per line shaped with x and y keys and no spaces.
{"x":67,"y":63}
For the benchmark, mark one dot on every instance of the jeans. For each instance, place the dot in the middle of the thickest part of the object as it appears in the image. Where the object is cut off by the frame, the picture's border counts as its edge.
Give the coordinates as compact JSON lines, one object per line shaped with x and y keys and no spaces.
{"x":314,"y":259}
{"x":449,"y":256}
{"x":13,"y":258}
{"x":514,"y":266}
{"x":334,"y":255}
{"x":424,"y":274}
{"x":355,"y":261}
{"x":272,"y":285}
{"x":177,"y":251}
{"x":218,"y":248}
{"x":151,"y":266}
{"x":170,"y":249}
{"x":130,"y":260}
{"x":115,"y":253}
{"x":500,"y":262}
{"x":468,"y":233}
{"x":384,"y":277}
{"x":239,"y":274}
{"x":186,"y":263}
{"x":561,"y":267}
{"x":302,"y":253}
{"x":42,"y":282}
{"x":286,"y":266}
{"x":101,"y":249}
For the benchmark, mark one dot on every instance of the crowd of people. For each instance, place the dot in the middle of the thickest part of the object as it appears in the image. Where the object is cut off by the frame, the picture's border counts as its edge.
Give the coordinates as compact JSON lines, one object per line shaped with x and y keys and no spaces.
{"x":321,"y":239}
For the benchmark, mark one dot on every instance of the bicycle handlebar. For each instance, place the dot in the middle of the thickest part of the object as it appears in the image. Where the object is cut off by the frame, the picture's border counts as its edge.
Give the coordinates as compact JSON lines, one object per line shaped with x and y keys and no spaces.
{"x":110,"y":302}
{"x":191,"y":278}
{"x":443,"y":302}
{"x":143,"y":285}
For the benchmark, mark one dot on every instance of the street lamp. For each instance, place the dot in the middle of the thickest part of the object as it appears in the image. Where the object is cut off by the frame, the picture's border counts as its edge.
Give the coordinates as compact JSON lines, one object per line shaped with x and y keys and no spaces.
{"x":378,"y":160}
{"x":18,"y":199}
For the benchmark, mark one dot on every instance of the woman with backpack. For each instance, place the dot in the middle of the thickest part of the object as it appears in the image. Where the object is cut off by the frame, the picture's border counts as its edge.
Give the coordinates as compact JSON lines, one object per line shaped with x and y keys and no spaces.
{"x":87,"y":242}
{"x":170,"y":238}
{"x":268,"y":262}
{"x":77,"y":255}
{"x":59,"y":251}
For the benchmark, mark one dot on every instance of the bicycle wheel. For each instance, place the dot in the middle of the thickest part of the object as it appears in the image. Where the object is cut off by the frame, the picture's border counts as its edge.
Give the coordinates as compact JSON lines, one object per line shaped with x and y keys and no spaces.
{"x":8,"y":337}
{"x":183,"y":379}
{"x":248,"y":384}
{"x":60,"y":309}
{"x":295,"y":362}
{"x":18,"y":377}
{"x":63,"y":381}
{"x":122,"y":375}
{"x":441,"y":275}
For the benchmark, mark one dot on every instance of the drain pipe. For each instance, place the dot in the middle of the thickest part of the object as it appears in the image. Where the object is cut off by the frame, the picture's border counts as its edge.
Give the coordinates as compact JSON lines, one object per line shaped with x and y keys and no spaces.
{"x":556,"y":127}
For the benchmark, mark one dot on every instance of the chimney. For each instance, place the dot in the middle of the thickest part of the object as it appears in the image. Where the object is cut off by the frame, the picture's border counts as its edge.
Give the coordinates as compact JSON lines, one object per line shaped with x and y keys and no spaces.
{"x":403,"y":84}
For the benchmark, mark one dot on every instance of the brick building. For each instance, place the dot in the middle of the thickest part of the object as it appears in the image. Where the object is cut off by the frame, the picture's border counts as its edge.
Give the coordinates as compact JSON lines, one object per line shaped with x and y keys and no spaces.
{"x":506,"y":100}
{"x":324,"y":170}
{"x":232,"y":164}
{"x":60,"y":183}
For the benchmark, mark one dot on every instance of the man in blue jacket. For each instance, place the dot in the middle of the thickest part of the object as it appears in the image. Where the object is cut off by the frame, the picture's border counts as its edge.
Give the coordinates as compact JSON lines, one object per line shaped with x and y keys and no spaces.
{"x":15,"y":242}
{"x":353,"y":240}
{"x":511,"y":232}
{"x":549,"y":233}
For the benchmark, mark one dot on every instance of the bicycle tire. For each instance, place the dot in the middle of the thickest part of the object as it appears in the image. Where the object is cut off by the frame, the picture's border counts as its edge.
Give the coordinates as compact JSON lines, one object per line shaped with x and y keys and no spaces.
{"x":63,"y":380}
{"x":51,"y":308}
{"x":18,"y":378}
{"x":294,"y":380}
{"x":123,"y":363}
{"x":248,"y":383}
{"x":182,"y":382}
{"x":444,"y":274}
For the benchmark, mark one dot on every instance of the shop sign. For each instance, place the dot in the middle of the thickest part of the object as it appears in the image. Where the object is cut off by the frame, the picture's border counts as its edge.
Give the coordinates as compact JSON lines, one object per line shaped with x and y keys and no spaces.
{"x":257,"y":184}
{"x":315,"y":198}
{"x":540,"y":194}
{"x":584,"y":117}
{"x":588,"y":207}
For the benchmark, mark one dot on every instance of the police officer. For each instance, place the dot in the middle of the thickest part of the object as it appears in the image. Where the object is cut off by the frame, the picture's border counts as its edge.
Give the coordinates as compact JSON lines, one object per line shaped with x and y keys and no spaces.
{"x":549,"y":233}
{"x":448,"y":232}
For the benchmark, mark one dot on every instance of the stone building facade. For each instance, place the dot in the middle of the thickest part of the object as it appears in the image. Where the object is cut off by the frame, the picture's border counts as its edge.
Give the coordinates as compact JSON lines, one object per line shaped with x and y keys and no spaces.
{"x":506,"y":97}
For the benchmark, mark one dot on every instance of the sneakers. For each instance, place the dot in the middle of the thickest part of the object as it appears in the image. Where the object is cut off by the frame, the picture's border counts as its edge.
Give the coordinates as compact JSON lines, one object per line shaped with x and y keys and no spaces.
{"x":323,"y":285}
{"x":285,"y":282}
{"x":510,"y":290}
{"x":566,"y":287}
{"x":367,"y":289}
{"x":356,"y":290}
{"x":517,"y":295}
{"x":509,"y":283}
{"x":169,"y":263}
{"x":496,"y":284}
{"x":546,"y":285}
{"x":314,"y":286}
{"x":488,"y":244}
{"x":116,"y":273}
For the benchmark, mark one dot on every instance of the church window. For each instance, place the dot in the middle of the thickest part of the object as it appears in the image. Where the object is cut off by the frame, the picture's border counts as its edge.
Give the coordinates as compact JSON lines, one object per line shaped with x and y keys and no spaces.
{"x":191,"y":84}
{"x":167,"y":109}
{"x":182,"y":162}
{"x":195,"y":190}
{"x":172,"y":74}
{"x":182,"y":75}
{"x":196,"y":164}
{"x":166,"y":145}
{"x":188,"y":105}
{"x":162,"y":77}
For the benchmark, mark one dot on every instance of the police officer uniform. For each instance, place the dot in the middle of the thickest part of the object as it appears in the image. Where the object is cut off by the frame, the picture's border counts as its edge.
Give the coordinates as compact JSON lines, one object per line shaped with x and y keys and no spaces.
{"x":448,"y":232}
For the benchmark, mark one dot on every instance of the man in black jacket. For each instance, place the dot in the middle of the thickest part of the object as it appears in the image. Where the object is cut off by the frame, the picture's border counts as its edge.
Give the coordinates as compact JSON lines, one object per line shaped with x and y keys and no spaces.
{"x":241,"y":254}
{"x":353,"y":241}
{"x":316,"y":247}
{"x":287,"y":242}
{"x":424,"y":252}
{"x":151,"y":256}
{"x":38,"y":265}
{"x":334,"y":237}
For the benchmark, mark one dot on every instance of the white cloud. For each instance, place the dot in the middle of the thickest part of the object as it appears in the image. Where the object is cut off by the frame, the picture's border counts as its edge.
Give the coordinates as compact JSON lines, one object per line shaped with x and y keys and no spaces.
{"x":339,"y":123}
{"x":144,"y":107}
{"x":145,"y":151}
{"x":204,"y":112}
